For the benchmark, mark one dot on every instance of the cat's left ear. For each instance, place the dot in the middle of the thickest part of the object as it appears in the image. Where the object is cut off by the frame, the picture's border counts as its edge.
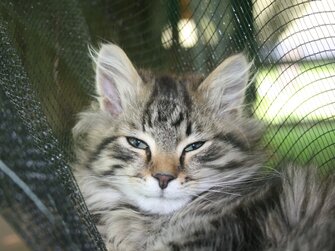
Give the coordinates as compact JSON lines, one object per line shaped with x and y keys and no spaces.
{"x":224,"y":89}
{"x":117,"y":81}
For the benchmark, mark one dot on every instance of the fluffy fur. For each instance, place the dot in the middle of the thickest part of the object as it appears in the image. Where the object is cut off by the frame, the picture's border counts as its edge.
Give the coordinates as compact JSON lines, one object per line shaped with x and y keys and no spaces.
{"x":193,"y":179}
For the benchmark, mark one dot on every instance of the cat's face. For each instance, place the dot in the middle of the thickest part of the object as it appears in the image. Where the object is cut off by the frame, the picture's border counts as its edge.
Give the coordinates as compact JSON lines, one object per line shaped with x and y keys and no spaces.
{"x":169,"y":139}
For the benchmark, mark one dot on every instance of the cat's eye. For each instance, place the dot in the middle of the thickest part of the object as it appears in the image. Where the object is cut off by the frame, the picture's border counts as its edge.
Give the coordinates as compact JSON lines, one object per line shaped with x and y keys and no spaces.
{"x":193,"y":146}
{"x":137,"y":143}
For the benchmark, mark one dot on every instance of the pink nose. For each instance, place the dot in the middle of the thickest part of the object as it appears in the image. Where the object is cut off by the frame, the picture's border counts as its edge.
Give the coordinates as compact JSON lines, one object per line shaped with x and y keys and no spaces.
{"x":163,"y":179}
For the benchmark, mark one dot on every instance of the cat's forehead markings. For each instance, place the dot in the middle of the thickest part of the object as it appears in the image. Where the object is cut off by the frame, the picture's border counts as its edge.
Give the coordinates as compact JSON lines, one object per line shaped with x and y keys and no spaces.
{"x":168,"y":104}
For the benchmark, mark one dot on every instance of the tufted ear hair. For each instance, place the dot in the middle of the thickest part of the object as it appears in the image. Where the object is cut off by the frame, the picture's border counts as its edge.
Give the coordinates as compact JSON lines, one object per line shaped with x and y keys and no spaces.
{"x":224,"y":88}
{"x":117,"y":80}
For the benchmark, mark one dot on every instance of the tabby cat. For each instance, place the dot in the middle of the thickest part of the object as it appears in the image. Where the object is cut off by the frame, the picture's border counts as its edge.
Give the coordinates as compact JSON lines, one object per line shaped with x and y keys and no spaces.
{"x":171,"y":163}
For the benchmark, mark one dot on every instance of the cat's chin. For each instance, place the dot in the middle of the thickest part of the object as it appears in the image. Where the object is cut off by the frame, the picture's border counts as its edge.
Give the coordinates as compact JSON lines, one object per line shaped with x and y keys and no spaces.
{"x":160,"y":205}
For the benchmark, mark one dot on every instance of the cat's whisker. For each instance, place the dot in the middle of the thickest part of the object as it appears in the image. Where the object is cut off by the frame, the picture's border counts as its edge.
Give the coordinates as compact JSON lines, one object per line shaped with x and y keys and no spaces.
{"x":221,"y":180}
{"x":197,"y":195}
{"x":211,"y":190}
{"x":272,"y":170}
{"x":233,"y":179}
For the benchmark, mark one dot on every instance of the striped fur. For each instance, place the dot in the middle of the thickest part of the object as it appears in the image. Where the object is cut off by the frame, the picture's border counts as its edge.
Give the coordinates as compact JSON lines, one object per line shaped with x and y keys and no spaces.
{"x":215,"y":197}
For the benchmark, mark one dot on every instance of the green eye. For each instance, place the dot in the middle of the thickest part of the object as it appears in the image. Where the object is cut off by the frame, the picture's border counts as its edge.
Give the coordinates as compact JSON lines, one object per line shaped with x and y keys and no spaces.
{"x":137,"y":143}
{"x":193,"y":146}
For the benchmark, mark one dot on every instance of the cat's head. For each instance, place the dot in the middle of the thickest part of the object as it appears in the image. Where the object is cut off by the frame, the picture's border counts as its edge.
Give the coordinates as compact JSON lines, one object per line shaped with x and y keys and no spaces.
{"x":160,"y":141}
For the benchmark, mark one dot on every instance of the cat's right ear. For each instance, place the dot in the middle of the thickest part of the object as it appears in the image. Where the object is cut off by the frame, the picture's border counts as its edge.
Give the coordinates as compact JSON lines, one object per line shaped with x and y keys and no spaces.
{"x":224,"y":88}
{"x":117,"y":80}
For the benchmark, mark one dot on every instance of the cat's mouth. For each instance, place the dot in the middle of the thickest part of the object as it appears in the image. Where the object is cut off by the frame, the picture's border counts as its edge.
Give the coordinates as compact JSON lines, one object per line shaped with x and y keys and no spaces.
{"x":161,"y":203}
{"x":166,"y":196}
{"x":150,"y":197}
{"x":161,"y":195}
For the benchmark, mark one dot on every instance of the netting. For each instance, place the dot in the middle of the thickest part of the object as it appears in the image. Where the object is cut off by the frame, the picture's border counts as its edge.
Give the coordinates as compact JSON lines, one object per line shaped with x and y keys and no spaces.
{"x":46,"y":77}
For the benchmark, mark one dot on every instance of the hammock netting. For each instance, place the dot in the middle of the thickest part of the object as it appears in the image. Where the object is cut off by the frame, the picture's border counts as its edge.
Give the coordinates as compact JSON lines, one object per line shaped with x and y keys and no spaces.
{"x":46,"y":78}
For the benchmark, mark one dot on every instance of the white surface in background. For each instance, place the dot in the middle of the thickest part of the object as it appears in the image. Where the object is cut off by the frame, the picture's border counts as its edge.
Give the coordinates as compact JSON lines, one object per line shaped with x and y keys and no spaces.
{"x":311,"y":35}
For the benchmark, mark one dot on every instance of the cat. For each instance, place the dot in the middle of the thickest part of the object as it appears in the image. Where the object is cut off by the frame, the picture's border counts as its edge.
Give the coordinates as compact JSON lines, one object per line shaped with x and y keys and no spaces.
{"x":171,"y":163}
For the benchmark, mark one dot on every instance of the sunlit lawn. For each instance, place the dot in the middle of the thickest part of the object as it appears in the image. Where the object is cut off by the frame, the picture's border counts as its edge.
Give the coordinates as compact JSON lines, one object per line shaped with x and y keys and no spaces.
{"x":303,"y":144}
{"x":298,"y":104}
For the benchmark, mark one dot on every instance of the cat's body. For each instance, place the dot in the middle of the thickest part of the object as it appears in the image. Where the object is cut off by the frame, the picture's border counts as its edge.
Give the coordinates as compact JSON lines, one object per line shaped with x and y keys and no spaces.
{"x":169,"y":163}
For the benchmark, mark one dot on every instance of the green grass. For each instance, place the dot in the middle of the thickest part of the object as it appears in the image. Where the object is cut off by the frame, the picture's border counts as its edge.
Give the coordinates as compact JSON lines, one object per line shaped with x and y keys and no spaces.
{"x":309,"y":143}
{"x":297,"y":101}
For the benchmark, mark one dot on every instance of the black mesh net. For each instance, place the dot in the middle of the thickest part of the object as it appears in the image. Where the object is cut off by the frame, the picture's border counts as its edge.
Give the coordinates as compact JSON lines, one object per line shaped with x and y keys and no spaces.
{"x":46,"y":77}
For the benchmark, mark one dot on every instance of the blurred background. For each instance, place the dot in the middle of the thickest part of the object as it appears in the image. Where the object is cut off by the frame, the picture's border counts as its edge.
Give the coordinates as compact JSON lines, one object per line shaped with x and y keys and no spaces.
{"x":46,"y":77}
